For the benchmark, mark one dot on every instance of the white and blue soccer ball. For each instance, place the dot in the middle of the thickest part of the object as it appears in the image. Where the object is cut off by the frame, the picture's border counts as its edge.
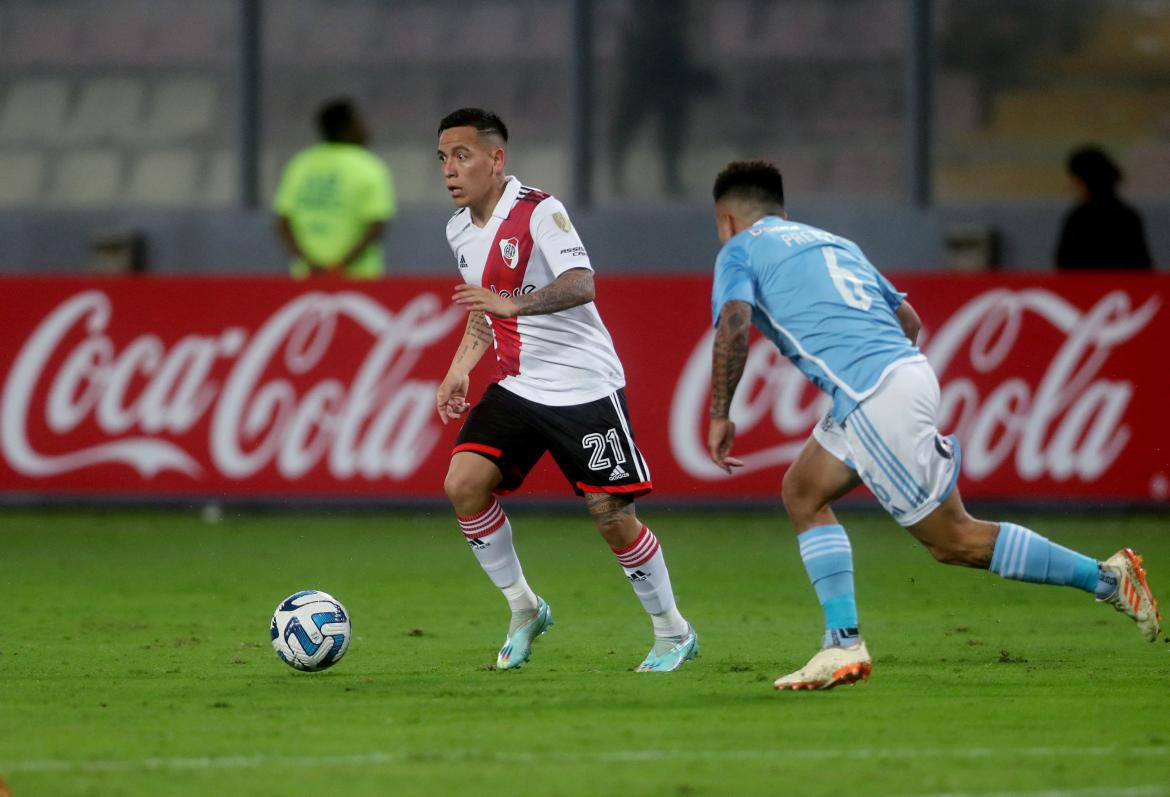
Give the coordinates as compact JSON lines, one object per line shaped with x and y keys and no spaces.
{"x":310,"y":630}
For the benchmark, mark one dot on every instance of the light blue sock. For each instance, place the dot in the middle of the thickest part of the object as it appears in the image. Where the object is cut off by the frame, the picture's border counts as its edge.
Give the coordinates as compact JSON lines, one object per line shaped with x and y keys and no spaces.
{"x":828,"y":558}
{"x":1024,"y":555}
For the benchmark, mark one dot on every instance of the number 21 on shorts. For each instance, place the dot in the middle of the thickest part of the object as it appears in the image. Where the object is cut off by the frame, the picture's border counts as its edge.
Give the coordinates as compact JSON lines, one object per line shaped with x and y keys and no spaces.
{"x":597,"y":444}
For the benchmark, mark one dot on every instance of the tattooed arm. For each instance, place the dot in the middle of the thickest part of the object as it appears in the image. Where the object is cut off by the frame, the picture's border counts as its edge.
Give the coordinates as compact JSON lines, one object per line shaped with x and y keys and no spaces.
{"x":729,"y":357}
{"x":572,"y":288}
{"x":451,"y":397}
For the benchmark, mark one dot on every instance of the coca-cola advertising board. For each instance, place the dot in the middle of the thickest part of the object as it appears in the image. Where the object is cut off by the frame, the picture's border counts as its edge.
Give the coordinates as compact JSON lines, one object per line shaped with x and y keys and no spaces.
{"x":263,"y":388}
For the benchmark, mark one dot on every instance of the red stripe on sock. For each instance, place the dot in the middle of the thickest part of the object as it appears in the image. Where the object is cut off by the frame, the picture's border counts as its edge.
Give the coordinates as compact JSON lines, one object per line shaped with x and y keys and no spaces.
{"x":484,"y":523}
{"x":639,"y":552}
{"x":645,"y":530}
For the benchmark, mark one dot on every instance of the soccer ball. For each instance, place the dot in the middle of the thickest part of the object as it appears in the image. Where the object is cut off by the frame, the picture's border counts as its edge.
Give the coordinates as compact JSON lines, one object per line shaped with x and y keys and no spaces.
{"x":310,"y":630}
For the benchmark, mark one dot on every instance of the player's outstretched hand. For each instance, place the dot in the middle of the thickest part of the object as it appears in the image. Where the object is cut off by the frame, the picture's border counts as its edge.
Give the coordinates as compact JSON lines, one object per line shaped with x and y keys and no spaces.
{"x":720,"y":436}
{"x":451,"y":397}
{"x":474,"y":297}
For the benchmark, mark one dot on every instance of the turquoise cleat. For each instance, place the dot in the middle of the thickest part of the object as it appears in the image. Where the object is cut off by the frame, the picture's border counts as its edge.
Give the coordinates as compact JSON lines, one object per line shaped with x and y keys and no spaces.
{"x":671,"y":653}
{"x":518,"y":646}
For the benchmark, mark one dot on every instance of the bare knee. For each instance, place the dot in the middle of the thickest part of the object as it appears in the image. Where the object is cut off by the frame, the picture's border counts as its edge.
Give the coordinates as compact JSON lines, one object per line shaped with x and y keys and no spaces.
{"x":803,"y":508}
{"x":469,"y":494}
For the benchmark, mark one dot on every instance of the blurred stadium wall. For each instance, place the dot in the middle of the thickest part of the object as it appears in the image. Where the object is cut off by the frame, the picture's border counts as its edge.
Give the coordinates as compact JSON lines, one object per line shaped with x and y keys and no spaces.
{"x":899,"y":123}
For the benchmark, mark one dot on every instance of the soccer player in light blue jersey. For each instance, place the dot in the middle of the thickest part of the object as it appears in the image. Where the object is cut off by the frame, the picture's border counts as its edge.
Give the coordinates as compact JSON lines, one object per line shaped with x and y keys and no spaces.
{"x":837,"y":319}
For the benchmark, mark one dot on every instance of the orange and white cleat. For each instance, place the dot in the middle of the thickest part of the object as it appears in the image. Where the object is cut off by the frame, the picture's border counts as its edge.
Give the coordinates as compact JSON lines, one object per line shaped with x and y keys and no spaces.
{"x":1132,"y":596}
{"x":831,"y":667}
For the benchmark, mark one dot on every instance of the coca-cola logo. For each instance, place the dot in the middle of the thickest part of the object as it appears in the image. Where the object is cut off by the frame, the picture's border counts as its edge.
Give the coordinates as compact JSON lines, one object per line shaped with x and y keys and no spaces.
{"x":1067,"y":421}
{"x":147,"y":395}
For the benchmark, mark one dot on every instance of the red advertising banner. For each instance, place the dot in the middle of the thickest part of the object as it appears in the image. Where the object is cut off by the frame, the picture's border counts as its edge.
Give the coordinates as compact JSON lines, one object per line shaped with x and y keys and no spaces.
{"x":266,"y":388}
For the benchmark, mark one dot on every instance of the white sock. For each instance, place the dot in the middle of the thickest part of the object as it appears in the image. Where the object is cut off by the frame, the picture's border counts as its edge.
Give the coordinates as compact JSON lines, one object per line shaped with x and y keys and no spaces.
{"x":490,"y":536}
{"x":645,"y":567}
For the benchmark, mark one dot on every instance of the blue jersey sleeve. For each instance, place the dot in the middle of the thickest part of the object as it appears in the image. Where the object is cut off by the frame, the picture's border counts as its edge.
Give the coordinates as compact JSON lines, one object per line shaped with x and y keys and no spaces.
{"x":733,"y":278}
{"x":892,"y":295}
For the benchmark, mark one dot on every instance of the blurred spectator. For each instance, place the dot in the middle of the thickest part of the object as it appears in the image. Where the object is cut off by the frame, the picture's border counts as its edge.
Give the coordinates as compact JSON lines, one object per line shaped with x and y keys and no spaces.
{"x":657,"y":78}
{"x":1101,"y":231}
{"x":335,"y":199}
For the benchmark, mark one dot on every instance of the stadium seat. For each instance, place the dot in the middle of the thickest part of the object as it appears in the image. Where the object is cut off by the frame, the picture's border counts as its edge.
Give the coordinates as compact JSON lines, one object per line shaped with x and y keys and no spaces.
{"x":221,"y":180}
{"x":109,"y":108}
{"x":221,"y":185}
{"x":34,"y":110}
{"x":163,"y":178}
{"x":87,"y":177}
{"x":23,"y":176}
{"x":182,"y":107}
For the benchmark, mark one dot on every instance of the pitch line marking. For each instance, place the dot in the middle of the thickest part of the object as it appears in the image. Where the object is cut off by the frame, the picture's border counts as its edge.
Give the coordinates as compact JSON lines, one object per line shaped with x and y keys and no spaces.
{"x":623,"y":756}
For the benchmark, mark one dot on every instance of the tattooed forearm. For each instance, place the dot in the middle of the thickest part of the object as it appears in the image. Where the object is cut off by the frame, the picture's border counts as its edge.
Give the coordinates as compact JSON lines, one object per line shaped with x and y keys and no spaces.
{"x":572,"y":288}
{"x":730,"y":355}
{"x":477,"y":338}
{"x":477,"y":327}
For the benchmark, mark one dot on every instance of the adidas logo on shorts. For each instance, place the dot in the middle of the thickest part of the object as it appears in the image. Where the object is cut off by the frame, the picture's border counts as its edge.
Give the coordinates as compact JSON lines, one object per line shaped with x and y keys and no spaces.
{"x":617,"y":473}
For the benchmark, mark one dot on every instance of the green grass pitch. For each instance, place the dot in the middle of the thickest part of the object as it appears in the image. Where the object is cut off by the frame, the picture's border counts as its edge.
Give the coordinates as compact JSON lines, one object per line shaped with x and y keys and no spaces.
{"x":134,"y":660}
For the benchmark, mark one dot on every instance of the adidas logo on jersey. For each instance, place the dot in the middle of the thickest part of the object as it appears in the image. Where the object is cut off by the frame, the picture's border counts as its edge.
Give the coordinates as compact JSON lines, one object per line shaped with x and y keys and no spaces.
{"x":478,"y":544}
{"x":462,"y":261}
{"x":638,"y":575}
{"x":617,"y":473}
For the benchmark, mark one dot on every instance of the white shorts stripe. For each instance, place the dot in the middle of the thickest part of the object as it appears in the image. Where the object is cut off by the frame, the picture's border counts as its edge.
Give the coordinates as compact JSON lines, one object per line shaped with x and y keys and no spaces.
{"x":640,"y":466}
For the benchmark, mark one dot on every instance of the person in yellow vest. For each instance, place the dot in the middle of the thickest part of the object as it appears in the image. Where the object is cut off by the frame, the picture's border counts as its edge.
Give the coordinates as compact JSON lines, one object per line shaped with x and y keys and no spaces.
{"x":335,"y":199}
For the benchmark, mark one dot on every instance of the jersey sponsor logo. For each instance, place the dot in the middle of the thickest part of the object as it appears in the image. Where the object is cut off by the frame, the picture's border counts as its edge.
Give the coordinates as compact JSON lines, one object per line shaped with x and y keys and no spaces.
{"x":522,"y":291}
{"x":462,"y":261}
{"x":509,"y":250}
{"x":562,"y":221}
{"x":574,"y":251}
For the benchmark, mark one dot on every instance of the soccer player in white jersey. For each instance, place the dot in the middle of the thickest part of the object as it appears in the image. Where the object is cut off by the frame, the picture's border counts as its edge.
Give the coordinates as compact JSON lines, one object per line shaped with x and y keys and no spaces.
{"x":559,"y":387}
{"x":837,"y":319}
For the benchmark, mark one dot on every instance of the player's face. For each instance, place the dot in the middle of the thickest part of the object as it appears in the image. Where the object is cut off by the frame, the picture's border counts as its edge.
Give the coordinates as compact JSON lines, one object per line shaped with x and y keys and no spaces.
{"x":471,"y":166}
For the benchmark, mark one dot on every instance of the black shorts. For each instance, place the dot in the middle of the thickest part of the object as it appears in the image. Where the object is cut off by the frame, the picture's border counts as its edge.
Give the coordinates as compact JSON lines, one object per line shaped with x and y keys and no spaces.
{"x":592,"y":444}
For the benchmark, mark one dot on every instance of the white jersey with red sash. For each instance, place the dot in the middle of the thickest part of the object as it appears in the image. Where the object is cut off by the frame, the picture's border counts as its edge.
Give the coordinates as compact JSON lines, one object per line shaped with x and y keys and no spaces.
{"x":560,"y":358}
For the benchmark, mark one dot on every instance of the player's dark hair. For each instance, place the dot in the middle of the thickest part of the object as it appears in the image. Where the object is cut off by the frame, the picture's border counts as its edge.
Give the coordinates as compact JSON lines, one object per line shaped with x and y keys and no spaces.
{"x":1098,"y":171}
{"x":758,"y":182}
{"x":481,"y":120}
{"x":335,"y":118}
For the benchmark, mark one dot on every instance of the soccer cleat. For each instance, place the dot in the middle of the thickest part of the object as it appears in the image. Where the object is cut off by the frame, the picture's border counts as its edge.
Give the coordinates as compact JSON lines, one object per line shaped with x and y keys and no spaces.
{"x":518,"y":646}
{"x":831,"y":667}
{"x":1132,"y":596}
{"x":671,"y":653}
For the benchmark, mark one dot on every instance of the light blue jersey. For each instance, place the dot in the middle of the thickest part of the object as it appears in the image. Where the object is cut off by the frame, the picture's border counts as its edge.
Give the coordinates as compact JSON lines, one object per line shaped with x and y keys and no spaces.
{"x":822,"y":303}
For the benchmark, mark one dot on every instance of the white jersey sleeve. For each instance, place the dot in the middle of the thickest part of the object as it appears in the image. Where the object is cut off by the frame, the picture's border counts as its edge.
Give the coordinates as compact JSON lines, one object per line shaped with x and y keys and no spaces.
{"x":557,"y":238}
